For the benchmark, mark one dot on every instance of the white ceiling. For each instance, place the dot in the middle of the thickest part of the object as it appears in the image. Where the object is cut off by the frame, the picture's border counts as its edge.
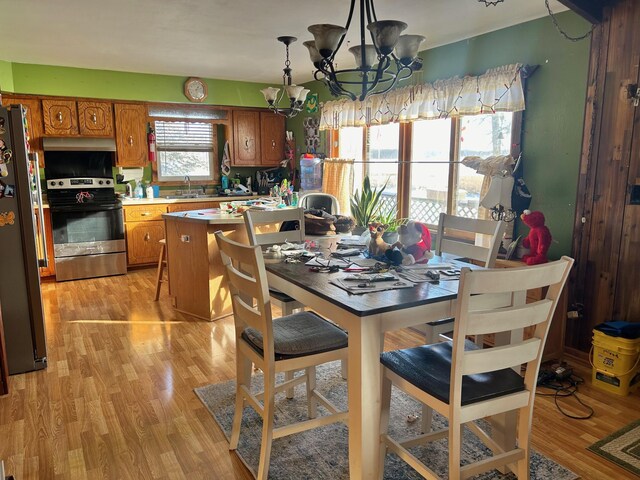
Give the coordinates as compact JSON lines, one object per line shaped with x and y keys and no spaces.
{"x":226,"y":39}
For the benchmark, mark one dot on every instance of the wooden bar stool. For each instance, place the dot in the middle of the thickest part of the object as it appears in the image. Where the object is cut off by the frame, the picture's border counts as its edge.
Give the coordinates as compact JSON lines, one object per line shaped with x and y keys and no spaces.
{"x":162,"y":263}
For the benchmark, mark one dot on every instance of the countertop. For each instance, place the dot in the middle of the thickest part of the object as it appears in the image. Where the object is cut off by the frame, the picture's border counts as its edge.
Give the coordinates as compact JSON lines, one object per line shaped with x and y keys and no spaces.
{"x":162,"y":200}
{"x":210,"y":215}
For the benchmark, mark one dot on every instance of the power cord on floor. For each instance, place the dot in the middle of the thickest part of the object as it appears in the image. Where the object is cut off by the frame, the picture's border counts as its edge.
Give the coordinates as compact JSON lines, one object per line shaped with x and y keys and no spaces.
{"x":564,"y":382}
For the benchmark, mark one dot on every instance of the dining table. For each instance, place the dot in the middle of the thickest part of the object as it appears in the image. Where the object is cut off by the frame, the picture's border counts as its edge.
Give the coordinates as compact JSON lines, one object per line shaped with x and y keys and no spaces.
{"x":366,"y":317}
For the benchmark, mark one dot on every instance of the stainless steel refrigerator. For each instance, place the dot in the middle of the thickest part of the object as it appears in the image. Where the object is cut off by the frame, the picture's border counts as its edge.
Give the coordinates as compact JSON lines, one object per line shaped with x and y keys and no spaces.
{"x":20,"y":296}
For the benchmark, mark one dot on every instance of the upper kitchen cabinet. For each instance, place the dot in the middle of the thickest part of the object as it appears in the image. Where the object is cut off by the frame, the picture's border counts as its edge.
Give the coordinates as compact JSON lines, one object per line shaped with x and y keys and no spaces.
{"x":131,"y":135}
{"x":95,"y":119}
{"x":272,"y":132}
{"x":246,"y":138}
{"x":60,"y":117}
{"x":34,"y":121}
{"x":258,"y":138}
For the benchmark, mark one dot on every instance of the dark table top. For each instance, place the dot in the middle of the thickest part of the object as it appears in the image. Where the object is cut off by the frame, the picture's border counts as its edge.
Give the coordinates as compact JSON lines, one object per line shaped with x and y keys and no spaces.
{"x":368,"y":303}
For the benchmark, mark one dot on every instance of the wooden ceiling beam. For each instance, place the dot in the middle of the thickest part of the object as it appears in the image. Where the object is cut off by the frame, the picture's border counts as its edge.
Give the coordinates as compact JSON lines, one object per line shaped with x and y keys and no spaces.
{"x":591,"y":10}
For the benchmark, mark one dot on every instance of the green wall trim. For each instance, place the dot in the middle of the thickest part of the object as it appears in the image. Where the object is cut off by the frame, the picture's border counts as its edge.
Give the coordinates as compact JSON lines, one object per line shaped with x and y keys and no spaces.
{"x":553,"y":119}
{"x":109,"y":84}
{"x":6,"y":76}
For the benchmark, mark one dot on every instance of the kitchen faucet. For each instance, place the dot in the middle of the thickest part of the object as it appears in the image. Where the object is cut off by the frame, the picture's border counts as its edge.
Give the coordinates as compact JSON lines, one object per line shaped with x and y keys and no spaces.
{"x":187,"y":180}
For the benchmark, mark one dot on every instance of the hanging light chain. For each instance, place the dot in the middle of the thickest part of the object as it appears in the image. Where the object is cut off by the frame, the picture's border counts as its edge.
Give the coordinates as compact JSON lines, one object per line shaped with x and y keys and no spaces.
{"x":561,"y":31}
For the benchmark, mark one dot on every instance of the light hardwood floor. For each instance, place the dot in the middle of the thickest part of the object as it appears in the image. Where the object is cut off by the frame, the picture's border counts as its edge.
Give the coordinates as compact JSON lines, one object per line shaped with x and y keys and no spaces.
{"x":117,"y":401}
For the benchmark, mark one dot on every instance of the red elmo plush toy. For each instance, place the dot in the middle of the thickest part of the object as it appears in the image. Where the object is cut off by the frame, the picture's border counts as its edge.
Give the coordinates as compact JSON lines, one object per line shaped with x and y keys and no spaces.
{"x":538,"y":240}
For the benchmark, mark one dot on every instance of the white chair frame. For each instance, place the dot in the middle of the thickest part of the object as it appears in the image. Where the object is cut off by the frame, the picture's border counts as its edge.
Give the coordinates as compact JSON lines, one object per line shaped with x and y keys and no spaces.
{"x":457,"y":245}
{"x":473,"y":319}
{"x":246,"y":277}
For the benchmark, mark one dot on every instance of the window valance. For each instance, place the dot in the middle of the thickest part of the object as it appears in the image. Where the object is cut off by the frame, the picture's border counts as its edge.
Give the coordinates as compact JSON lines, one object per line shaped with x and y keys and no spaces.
{"x":498,"y":90}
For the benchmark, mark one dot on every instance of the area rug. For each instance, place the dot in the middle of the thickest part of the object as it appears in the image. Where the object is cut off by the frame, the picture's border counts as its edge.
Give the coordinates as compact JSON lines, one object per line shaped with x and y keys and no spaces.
{"x":622,"y":447}
{"x":322,"y":453}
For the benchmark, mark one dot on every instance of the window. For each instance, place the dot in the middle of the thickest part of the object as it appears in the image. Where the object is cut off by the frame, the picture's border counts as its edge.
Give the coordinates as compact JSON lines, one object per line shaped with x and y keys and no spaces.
{"x":185,"y":148}
{"x":436,"y":182}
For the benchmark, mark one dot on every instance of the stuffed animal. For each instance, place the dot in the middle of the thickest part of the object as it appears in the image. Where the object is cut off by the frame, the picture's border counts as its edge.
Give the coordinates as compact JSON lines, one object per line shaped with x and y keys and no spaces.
{"x":377,"y":246}
{"x":413,"y":245}
{"x":538,"y":240}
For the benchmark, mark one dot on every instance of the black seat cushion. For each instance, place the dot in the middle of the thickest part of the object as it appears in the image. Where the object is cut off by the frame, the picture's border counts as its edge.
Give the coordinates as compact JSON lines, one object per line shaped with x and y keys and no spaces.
{"x":428,"y":367}
{"x":283,"y":297}
{"x":299,"y":335}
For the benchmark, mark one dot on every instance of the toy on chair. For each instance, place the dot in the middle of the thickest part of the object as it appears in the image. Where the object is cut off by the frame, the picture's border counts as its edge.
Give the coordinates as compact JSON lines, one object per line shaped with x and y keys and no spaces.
{"x":538,"y":240}
{"x":413,"y":245}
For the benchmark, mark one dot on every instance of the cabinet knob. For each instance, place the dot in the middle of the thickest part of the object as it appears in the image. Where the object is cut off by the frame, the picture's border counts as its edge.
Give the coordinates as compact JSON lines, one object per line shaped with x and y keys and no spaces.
{"x":145,"y":214}
{"x":273,"y":144}
{"x":94,"y":118}
{"x":59,"y":117}
{"x":147,"y":237}
{"x":247,"y":143}
{"x":130,"y":140}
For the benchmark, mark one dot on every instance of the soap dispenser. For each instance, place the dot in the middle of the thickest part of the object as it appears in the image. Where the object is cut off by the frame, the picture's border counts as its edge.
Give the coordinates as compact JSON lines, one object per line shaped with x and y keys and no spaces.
{"x":128,"y":190}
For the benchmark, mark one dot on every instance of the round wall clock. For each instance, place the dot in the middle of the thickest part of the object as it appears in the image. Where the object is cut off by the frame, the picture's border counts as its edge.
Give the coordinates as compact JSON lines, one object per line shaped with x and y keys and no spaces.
{"x":195,"y":89}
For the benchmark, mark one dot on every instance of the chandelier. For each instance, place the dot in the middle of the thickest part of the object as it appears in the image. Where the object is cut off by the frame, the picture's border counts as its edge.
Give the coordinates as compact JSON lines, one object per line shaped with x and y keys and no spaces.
{"x":389,"y":58}
{"x":296,"y":95}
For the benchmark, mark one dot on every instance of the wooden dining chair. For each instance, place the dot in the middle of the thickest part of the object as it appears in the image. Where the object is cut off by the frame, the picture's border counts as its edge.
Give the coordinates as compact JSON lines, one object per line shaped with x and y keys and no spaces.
{"x":465,"y":383}
{"x":457,"y":236}
{"x":254,"y":220}
{"x":299,"y":341}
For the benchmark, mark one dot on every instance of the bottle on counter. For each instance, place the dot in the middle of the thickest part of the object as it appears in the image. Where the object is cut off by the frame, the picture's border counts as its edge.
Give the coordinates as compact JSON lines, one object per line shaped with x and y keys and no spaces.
{"x":139,"y":192}
{"x":225,"y":182}
{"x":150,"y":193}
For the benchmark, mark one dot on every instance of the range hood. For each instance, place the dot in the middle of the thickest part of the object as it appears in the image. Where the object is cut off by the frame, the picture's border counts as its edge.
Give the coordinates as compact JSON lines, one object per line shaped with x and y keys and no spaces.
{"x":78,"y":144}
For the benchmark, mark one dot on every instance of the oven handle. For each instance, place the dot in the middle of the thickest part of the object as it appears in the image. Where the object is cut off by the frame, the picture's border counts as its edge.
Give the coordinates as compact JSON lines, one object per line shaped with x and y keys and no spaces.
{"x":84,"y":207}
{"x":42,"y":262}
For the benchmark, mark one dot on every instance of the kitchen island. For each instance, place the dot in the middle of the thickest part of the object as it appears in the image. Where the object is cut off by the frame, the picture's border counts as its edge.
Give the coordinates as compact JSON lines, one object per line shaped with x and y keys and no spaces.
{"x":194,"y":264}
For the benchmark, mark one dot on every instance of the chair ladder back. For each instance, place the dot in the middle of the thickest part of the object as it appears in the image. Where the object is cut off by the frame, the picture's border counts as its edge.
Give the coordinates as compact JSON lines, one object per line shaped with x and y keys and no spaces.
{"x":457,"y":245}
{"x":508,"y":318}
{"x":246,"y":279}
{"x":497,"y":358}
{"x":525,"y":278}
{"x":254,"y":219}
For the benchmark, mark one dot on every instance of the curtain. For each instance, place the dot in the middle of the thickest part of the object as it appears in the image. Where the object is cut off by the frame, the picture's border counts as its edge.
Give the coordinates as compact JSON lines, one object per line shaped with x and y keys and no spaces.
{"x":497,"y":90}
{"x":337,"y":179}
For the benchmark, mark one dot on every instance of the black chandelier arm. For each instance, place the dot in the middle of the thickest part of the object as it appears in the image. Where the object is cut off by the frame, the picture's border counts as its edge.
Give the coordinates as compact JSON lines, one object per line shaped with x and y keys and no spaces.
{"x":351,"y":8}
{"x":370,"y":14}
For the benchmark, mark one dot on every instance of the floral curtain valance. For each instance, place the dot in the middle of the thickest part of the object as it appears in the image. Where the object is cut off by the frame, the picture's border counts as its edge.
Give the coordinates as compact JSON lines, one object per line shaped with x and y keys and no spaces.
{"x":498,"y":90}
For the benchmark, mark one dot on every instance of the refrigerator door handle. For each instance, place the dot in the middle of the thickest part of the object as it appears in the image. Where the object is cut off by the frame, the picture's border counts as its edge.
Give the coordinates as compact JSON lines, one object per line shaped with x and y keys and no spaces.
{"x":42,"y":262}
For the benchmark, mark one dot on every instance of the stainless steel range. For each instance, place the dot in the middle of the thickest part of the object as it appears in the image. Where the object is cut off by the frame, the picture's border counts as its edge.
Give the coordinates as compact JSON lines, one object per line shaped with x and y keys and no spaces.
{"x":86,"y":216}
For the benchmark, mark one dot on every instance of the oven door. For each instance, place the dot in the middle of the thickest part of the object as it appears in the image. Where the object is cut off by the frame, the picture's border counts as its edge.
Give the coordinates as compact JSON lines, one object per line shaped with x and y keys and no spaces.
{"x":87,"y":229}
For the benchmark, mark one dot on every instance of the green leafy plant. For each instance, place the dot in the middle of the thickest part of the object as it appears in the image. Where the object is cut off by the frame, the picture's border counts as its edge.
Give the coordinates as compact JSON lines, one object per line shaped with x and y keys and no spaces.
{"x":365,"y":204}
{"x":390,"y":218}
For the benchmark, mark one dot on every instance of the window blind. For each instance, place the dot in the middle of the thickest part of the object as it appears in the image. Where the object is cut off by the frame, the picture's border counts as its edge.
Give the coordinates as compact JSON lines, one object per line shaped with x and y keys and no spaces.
{"x":184,"y":136}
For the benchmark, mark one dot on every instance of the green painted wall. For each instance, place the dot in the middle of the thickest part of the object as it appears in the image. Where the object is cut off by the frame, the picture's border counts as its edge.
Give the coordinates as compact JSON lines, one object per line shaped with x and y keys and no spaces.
{"x":6,"y":76}
{"x":82,"y":82}
{"x":553,"y":119}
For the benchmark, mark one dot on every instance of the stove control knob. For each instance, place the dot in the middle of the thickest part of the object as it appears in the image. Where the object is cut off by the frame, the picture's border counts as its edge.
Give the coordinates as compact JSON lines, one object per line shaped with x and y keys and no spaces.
{"x":100,"y":182}
{"x":108,"y":182}
{"x":53,"y":184}
{"x":61,"y":183}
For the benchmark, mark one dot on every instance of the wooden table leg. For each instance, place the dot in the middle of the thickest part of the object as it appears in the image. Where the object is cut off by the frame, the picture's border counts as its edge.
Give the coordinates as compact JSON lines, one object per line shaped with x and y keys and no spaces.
{"x":364,"y":398}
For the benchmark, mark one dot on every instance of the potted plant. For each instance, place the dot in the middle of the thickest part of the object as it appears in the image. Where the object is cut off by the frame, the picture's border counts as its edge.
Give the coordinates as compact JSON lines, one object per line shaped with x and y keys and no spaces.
{"x":390,"y":219}
{"x":365,"y":205}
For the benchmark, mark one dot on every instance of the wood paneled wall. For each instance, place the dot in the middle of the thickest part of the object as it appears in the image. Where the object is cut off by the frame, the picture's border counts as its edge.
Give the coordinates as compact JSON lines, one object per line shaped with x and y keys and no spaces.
{"x":607,"y":235}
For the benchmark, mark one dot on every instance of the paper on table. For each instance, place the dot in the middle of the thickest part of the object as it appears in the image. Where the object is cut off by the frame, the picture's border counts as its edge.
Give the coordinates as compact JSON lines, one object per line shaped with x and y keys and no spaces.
{"x":428,"y":266}
{"x":375,"y":287}
{"x":328,"y":262}
{"x":365,"y":262}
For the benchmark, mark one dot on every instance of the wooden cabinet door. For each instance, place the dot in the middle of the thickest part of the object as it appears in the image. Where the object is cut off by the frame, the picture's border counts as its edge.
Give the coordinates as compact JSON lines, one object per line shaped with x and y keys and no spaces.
{"x":184,"y":207}
{"x":272,"y":130}
{"x":60,"y":117}
{"x":246,"y":137}
{"x":95,"y":119}
{"x":131,"y":135}
{"x":143,"y":241}
{"x":34,"y":121}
